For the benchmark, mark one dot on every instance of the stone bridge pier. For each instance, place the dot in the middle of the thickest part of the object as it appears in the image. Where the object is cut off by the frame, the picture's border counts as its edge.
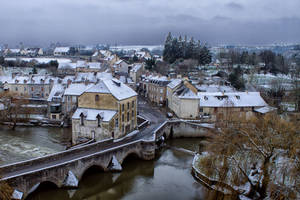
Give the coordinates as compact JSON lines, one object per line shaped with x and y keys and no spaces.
{"x":69,"y":172}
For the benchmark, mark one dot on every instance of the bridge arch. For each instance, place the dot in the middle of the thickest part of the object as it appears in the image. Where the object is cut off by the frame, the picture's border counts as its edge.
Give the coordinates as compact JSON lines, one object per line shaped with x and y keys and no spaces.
{"x":128,"y":154}
{"x":93,"y":166}
{"x":36,"y":187}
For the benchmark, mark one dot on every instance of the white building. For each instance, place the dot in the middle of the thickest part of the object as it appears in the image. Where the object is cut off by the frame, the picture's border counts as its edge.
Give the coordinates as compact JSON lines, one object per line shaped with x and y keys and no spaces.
{"x":61,"y":51}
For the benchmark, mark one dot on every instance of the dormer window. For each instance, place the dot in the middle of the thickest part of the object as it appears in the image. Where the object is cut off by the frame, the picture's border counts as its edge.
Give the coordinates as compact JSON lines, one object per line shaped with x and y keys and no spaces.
{"x":237,"y":97}
{"x":205,"y":98}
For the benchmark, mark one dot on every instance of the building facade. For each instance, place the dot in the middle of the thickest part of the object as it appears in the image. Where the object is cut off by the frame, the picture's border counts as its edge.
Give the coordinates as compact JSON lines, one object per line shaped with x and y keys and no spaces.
{"x":105,"y":110}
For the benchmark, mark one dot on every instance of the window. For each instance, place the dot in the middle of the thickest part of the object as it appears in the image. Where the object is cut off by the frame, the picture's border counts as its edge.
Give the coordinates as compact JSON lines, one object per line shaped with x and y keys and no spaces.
{"x":69,"y":98}
{"x":116,"y":122}
{"x":98,"y":120}
{"x":132,"y":104}
{"x":42,"y":89}
{"x":16,"y":88}
{"x":53,"y":116}
{"x":24,"y":88}
{"x":97,"y":97}
{"x":161,"y":91}
{"x":123,"y":128}
{"x":122,"y":117}
{"x":132,"y":114}
{"x":128,"y":116}
{"x":215,"y":109}
{"x":122,"y":107}
{"x":242,"y":109}
{"x":82,"y":119}
{"x":201,"y":110}
{"x":128,"y":105}
{"x":32,"y":88}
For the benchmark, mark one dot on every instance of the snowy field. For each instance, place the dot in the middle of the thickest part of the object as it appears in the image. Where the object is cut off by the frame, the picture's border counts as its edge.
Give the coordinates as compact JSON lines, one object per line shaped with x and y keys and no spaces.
{"x":137,"y":47}
{"x":41,"y":60}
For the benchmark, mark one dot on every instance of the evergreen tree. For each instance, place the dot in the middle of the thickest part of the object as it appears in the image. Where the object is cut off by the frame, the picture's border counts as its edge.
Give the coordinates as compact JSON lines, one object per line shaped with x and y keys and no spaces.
{"x":168,"y":47}
{"x":34,"y":71}
{"x":180,"y":47}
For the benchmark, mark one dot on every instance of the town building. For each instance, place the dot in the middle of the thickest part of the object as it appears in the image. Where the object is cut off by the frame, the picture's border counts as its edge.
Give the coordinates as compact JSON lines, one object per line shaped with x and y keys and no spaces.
{"x":220,"y":105}
{"x":182,"y":99}
{"x":136,"y":72}
{"x":61,"y":51}
{"x":155,"y":88}
{"x":105,"y":110}
{"x":120,"y":66}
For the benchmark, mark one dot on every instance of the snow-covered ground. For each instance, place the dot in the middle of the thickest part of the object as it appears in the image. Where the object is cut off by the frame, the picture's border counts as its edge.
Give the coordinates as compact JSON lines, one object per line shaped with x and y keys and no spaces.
{"x":41,"y":59}
{"x":136,"y":47}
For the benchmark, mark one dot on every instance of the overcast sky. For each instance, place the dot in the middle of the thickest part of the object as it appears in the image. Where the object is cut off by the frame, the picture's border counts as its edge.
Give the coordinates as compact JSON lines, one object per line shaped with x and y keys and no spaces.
{"x":148,"y":21}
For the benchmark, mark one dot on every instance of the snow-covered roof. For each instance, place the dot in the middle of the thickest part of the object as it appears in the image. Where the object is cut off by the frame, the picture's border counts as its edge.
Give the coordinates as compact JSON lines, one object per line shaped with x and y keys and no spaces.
{"x":94,"y":65}
{"x":61,"y":49}
{"x":118,"y":62}
{"x":214,"y":88}
{"x":118,"y":89}
{"x":67,"y":66}
{"x":234,"y":99}
{"x":30,"y":79}
{"x":265,"y":109}
{"x":91,"y":77}
{"x":91,"y":114}
{"x":15,"y":50}
{"x":76,"y":89}
{"x":56,"y":91}
{"x":136,"y":67}
{"x":174,"y":83}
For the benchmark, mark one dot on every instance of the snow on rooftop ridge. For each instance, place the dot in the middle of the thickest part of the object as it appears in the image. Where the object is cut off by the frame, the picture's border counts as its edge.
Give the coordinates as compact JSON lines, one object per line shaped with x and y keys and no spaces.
{"x":174,"y":83}
{"x":61,"y":49}
{"x":136,"y":67}
{"x":76,"y":89}
{"x":232,"y":99}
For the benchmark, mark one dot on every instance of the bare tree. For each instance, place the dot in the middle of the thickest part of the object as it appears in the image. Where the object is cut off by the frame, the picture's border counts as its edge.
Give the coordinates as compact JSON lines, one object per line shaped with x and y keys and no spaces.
{"x":257,"y":158}
{"x":14,"y":109}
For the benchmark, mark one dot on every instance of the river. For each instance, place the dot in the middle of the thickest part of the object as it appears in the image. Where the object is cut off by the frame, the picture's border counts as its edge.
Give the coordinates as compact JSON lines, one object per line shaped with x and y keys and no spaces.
{"x":31,"y":142}
{"x":166,"y":177}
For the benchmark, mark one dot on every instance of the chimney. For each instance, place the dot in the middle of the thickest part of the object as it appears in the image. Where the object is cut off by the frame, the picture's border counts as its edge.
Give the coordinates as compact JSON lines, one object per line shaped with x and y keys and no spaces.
{"x":86,"y":82}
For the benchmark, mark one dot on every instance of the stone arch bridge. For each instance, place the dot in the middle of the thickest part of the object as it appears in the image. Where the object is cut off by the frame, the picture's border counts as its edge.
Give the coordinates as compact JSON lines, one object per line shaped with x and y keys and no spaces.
{"x":66,"y":168}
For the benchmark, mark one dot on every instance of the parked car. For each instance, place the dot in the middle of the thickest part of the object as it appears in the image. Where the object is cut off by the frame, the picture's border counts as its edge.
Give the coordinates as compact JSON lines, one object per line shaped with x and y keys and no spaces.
{"x":169,"y":115}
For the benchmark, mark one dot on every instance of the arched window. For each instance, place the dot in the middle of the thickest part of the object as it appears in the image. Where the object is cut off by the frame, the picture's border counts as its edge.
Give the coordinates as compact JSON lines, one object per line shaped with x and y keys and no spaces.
{"x":97,"y":97}
{"x":82,"y":119}
{"x":99,"y":120}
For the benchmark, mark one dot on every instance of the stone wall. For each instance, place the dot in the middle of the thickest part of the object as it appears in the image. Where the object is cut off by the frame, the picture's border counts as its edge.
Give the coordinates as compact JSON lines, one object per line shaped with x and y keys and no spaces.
{"x":182,"y":128}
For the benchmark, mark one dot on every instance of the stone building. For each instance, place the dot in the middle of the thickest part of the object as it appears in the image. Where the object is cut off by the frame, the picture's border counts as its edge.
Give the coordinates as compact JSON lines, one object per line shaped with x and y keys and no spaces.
{"x":155,"y":89}
{"x":136,"y":72}
{"x":105,"y":110}
{"x":182,"y":99}
{"x":218,"y":105}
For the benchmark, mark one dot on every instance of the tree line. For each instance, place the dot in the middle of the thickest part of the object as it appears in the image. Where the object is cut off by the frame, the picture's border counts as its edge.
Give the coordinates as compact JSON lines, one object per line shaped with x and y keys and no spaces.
{"x":184,"y":48}
{"x":273,"y":63}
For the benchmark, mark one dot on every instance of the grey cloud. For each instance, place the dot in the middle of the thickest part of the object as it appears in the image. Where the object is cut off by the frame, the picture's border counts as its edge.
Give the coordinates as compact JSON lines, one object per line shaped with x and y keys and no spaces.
{"x":235,"y":6}
{"x":139,"y":22}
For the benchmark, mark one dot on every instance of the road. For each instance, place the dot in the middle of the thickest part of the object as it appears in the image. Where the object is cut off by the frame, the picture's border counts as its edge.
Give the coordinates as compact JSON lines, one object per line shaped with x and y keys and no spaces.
{"x":153,"y":114}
